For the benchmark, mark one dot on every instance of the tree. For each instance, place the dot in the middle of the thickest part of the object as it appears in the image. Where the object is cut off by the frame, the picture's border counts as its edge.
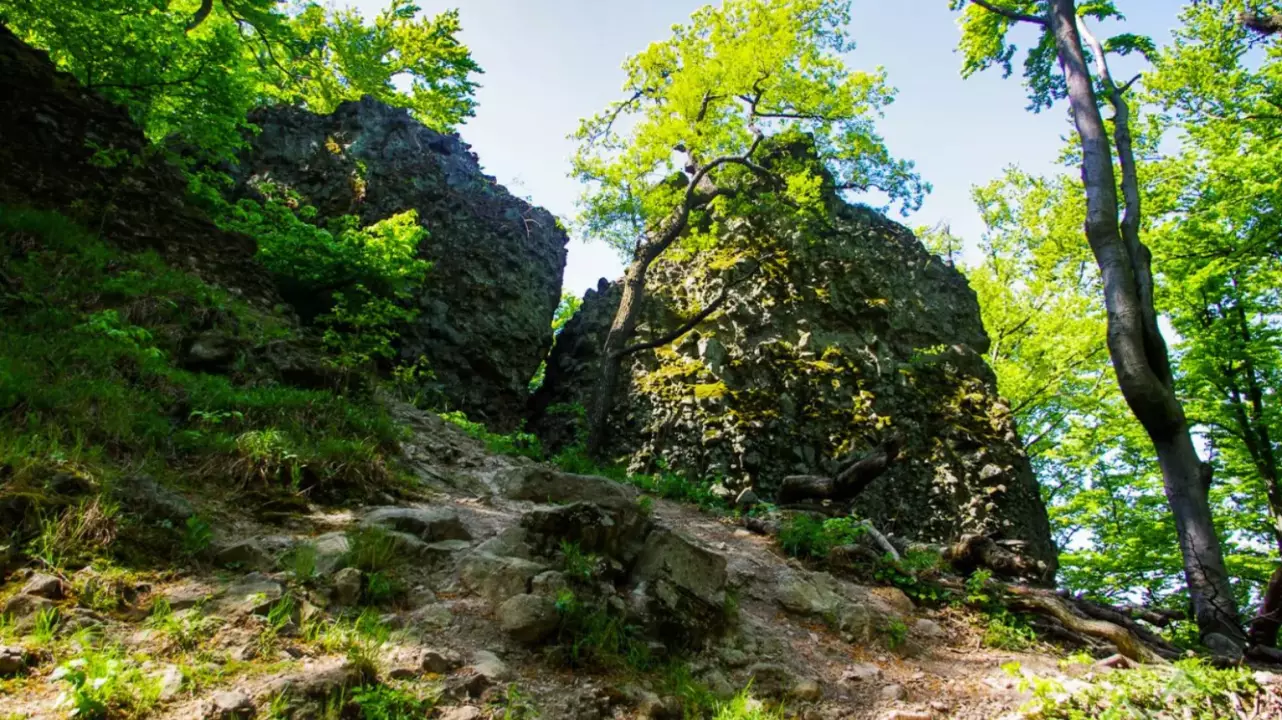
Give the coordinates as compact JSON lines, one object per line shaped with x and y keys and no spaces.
{"x":1112,"y":229}
{"x":686,"y":151}
{"x":195,"y":72}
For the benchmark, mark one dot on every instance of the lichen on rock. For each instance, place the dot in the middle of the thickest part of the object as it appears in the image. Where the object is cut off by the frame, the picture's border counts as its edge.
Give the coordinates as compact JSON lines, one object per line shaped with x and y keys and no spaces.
{"x":844,"y":332}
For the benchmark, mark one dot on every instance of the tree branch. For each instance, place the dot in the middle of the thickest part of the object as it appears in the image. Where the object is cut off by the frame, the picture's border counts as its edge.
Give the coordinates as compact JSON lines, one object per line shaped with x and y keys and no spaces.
{"x":690,"y":324}
{"x":1261,"y":23}
{"x":1011,"y":14}
{"x":206,"y":7}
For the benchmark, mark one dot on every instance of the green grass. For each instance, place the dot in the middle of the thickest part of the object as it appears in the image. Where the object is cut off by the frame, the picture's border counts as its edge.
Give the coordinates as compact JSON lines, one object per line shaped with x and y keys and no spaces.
{"x":1186,"y":689}
{"x":90,"y":387}
{"x":106,"y":683}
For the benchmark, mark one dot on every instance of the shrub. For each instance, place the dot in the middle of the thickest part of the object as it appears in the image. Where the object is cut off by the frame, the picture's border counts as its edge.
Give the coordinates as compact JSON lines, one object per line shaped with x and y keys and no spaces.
{"x":1008,"y":632}
{"x":383,"y":702}
{"x":371,"y":549}
{"x":808,"y":537}
{"x":105,"y":683}
{"x":351,"y":280}
{"x":595,"y":635}
{"x":518,"y":443}
{"x":1186,"y":689}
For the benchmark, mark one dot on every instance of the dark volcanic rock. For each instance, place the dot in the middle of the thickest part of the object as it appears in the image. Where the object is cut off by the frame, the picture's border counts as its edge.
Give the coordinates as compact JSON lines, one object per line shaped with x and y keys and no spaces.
{"x":848,"y":334}
{"x":50,"y":131}
{"x":488,"y":301}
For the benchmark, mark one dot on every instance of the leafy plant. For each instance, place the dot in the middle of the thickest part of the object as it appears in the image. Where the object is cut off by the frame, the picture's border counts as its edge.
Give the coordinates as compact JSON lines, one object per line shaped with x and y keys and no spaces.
{"x":518,"y":443}
{"x":384,"y":702}
{"x":1188,"y":689}
{"x":577,"y":564}
{"x":896,"y":632}
{"x":806,"y":536}
{"x":105,"y":683}
{"x":1007,"y":632}
{"x":300,"y":561}
{"x":45,"y":629}
{"x":371,"y":549}
{"x":197,"y":536}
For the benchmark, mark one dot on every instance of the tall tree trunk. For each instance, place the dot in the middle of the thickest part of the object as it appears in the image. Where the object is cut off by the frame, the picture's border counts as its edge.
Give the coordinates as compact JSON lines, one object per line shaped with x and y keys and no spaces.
{"x":621,"y":331}
{"x":1135,"y":345}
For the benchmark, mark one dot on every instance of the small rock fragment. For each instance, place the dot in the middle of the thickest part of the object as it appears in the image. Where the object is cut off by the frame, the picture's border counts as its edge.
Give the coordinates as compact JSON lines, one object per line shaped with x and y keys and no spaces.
{"x":170,"y":682}
{"x":528,"y":618}
{"x":929,"y":630}
{"x":892,"y":693}
{"x":12,"y":660}
{"x":861,"y":672}
{"x":464,"y":712}
{"x":441,"y":661}
{"x":347,"y":586}
{"x":45,"y":586}
{"x":232,"y":705}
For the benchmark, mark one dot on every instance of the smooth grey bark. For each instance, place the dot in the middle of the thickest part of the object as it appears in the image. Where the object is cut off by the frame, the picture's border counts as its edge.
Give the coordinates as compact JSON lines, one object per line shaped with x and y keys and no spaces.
{"x":1134,"y":341}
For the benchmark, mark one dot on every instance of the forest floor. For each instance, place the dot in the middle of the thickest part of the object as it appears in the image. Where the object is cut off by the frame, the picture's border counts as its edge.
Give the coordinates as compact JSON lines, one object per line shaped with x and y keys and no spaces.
{"x":260,"y":627}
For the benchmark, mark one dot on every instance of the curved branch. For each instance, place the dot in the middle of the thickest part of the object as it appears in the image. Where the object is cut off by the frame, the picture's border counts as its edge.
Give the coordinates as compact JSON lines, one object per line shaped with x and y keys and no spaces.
{"x":206,"y":7}
{"x":690,"y":324}
{"x":1011,"y":14}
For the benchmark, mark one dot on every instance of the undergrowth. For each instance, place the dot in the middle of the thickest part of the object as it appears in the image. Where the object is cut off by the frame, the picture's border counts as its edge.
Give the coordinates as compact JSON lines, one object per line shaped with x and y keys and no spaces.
{"x":92,"y":391}
{"x":1188,"y":689}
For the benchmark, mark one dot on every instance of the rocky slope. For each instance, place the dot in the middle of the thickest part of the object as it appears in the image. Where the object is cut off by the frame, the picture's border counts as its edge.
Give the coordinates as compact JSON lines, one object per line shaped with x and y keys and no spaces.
{"x":489,"y":552}
{"x":487,"y":305}
{"x":834,"y":338}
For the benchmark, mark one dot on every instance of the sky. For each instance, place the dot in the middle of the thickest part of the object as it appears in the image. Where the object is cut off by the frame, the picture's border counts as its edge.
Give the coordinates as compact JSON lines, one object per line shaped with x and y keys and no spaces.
{"x":549,"y":63}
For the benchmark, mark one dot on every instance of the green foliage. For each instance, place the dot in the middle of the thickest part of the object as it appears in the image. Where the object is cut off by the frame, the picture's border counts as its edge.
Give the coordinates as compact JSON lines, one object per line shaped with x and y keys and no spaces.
{"x":89,"y":387}
{"x":595,"y":635}
{"x":187,"y":630}
{"x":367,"y":273}
{"x":517,"y":443}
{"x":577,"y":564}
{"x":300,"y":561}
{"x":384,"y":702}
{"x":371,"y":549}
{"x":1005,"y":631}
{"x":105,"y":683}
{"x":896,"y":633}
{"x":514,"y":705}
{"x":198,"y":78}
{"x":381,"y":588}
{"x":197,"y":536}
{"x":1187,"y":689}
{"x":806,"y":536}
{"x":745,"y":707}
{"x":45,"y":629}
{"x":733,"y":71}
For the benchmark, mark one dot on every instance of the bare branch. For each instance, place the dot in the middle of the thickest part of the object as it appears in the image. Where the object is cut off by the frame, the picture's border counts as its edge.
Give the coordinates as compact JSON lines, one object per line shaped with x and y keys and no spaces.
{"x":1011,"y":14}
{"x":693,"y":322}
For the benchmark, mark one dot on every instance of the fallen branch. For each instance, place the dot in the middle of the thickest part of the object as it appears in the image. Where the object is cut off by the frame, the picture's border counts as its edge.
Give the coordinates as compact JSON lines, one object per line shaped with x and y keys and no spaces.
{"x":880,"y":539}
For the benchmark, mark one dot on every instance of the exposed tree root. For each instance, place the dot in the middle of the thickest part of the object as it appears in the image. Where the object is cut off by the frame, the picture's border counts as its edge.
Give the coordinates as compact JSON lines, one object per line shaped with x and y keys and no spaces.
{"x":1127,"y":643}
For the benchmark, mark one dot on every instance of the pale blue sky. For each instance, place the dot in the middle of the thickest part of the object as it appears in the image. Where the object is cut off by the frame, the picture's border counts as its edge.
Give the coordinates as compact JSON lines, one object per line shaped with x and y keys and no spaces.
{"x":550,"y":62}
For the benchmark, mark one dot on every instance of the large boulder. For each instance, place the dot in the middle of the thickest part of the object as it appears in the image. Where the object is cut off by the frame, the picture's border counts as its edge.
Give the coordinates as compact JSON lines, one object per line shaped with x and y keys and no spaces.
{"x":836,"y":337}
{"x":486,"y":308}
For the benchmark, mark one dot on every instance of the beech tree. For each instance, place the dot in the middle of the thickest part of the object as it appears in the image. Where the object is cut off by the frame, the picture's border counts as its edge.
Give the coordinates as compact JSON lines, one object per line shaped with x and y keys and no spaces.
{"x":684,"y":151}
{"x":1112,"y":228}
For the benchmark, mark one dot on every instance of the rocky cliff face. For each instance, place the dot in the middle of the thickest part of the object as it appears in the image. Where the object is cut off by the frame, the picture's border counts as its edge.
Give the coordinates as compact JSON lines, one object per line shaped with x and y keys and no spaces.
{"x":67,"y":149}
{"x":840,"y":336}
{"x":486,"y":308}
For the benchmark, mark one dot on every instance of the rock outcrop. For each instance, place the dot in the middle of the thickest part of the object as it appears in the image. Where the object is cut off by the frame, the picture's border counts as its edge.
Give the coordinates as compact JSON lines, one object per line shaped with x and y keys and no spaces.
{"x":486,"y":308}
{"x":67,"y":149}
{"x":834,"y":338}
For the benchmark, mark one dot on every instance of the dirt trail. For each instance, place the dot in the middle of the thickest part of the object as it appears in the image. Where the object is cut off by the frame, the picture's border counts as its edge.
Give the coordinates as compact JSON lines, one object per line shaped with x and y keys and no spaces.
{"x":827,"y":647}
